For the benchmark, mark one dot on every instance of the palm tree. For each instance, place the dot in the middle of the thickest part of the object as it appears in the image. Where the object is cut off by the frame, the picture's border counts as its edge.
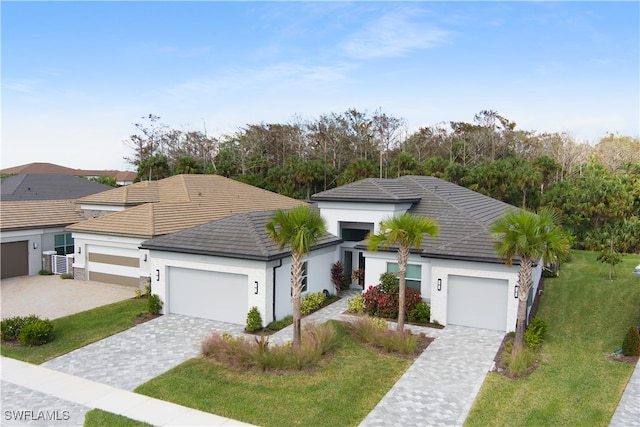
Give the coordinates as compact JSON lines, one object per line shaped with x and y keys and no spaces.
{"x":406,"y":231}
{"x":531,"y":238}
{"x":300,"y":228}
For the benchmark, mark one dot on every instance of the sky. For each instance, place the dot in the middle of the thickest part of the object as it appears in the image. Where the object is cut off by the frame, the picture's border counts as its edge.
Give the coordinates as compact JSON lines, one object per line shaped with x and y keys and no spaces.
{"x":76,"y":76}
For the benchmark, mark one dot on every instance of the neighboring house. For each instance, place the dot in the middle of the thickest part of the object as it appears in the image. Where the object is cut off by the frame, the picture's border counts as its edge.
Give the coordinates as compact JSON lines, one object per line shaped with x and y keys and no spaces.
{"x":221,"y":269}
{"x":107,"y":245}
{"x":459,"y":273}
{"x":34,"y":211}
{"x":121,"y":177}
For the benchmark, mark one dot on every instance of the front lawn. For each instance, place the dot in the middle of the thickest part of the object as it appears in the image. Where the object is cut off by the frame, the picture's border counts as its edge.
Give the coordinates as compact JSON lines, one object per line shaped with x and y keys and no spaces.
{"x":99,"y":418}
{"x":341,"y":393}
{"x":587,"y":317}
{"x":77,"y":330}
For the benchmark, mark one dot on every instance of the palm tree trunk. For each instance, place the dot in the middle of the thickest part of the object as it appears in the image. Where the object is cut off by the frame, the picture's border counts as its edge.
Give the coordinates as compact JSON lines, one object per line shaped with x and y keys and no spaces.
{"x":296,"y":290}
{"x":524,"y":284}
{"x":403,"y":257}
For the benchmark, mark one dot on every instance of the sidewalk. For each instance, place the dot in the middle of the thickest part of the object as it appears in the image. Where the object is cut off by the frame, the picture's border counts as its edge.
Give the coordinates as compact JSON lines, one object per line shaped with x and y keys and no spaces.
{"x":628,"y":412}
{"x":90,"y":394}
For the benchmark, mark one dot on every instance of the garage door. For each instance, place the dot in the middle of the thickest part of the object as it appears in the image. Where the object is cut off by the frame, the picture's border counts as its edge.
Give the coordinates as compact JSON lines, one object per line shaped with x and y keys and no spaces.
{"x":207,"y":294}
{"x":477,"y":302}
{"x":15,"y":259}
{"x":120,"y":266}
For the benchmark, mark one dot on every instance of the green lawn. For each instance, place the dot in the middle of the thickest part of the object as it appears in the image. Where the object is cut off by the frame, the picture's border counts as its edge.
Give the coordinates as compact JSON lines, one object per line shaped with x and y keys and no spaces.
{"x":587,"y":317}
{"x":99,"y":418}
{"x":80,"y":329}
{"x":341,"y":393}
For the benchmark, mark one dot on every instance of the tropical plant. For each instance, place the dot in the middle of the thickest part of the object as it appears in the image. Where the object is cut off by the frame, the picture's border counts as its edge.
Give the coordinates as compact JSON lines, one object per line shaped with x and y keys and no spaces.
{"x":405,"y":231}
{"x":530,"y":238}
{"x":337,"y":276}
{"x":299,"y":229}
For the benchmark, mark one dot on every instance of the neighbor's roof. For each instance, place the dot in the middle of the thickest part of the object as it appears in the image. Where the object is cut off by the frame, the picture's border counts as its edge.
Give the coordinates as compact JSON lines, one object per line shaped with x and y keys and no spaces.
{"x":52,"y":168}
{"x":464,"y":216}
{"x":31,"y":186}
{"x":177,"y":203}
{"x":238,"y":236}
{"x":37,"y":214}
{"x":370,"y":190}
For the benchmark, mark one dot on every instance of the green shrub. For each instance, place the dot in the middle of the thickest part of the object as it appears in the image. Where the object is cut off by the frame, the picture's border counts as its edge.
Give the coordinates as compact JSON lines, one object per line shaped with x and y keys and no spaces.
{"x":66,"y":276}
{"x":311,"y":303}
{"x":276,"y":325}
{"x":44,"y":272}
{"x":421,"y":313}
{"x":535,"y":333}
{"x":631,"y":342}
{"x":138,"y":293}
{"x":36,"y":332}
{"x":374,"y":331}
{"x":10,"y":328}
{"x":388,"y":283}
{"x":355,"y":305}
{"x":154,"y":304}
{"x":518,"y":363}
{"x":254,"y":320}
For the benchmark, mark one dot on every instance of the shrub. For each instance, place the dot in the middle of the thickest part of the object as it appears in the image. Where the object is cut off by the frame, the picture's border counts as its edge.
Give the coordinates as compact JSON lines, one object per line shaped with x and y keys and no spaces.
{"x":520,"y":362}
{"x":388,"y":283}
{"x":631,"y":342}
{"x":44,"y":272}
{"x":138,"y":293}
{"x":355,"y":305}
{"x":154,"y":304}
{"x":66,"y":276}
{"x":421,"y":313}
{"x":254,"y":320}
{"x":147,"y":290}
{"x":10,"y":328}
{"x":276,"y":325}
{"x":36,"y":332}
{"x":337,"y":276}
{"x":311,"y":302}
{"x":535,"y":333}
{"x":378,"y":303}
{"x":374,"y":331}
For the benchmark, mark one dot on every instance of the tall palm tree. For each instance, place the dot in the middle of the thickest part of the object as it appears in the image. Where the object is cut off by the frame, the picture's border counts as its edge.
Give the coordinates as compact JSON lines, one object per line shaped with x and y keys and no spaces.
{"x":406,"y":231}
{"x":531,"y":238}
{"x":299,"y":228}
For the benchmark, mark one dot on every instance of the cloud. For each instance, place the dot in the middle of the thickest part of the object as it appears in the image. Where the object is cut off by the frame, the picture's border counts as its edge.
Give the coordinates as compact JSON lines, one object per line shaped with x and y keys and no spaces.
{"x":392,"y":35}
{"x":20,"y":85}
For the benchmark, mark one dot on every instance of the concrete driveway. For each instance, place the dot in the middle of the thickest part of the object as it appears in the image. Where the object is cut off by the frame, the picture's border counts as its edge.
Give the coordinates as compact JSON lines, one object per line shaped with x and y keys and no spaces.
{"x":52,"y":297}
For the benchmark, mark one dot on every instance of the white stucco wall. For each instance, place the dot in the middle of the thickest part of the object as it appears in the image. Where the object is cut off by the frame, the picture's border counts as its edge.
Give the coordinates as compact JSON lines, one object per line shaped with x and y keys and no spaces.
{"x":376,"y":264}
{"x":335,"y":212}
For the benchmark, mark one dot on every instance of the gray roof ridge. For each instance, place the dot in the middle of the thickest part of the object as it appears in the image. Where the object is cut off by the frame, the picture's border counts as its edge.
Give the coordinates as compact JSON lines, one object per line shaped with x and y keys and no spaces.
{"x":248,"y":218}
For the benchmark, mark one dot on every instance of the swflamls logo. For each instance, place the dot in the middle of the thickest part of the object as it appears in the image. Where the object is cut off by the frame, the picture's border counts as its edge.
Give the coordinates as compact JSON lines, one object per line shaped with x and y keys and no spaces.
{"x":30,"y":415}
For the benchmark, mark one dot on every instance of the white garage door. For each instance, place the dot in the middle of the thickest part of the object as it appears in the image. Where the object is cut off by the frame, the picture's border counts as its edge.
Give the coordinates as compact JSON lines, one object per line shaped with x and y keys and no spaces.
{"x":208,"y":294}
{"x":477,"y":302}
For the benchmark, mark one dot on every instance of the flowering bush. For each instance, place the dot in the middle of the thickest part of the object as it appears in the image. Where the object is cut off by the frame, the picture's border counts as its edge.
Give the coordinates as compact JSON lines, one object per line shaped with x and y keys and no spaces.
{"x":379,"y":303}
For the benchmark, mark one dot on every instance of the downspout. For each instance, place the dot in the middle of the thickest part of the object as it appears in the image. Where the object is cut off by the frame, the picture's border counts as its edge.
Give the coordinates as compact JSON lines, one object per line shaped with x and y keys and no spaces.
{"x":274,"y":289}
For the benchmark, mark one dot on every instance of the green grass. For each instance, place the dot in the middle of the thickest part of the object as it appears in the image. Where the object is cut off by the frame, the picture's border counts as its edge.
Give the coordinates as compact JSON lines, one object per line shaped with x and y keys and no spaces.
{"x":77,"y":330}
{"x":99,"y":418}
{"x":575,"y":385}
{"x":341,"y":393}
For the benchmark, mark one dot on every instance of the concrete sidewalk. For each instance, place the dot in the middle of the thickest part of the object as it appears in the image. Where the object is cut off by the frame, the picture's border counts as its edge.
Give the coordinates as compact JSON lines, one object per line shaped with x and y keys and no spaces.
{"x":89,"y":394}
{"x":628,"y":411}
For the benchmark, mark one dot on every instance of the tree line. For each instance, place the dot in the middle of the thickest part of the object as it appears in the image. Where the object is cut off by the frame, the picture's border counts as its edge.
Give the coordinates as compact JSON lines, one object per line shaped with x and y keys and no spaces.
{"x":597,"y":188}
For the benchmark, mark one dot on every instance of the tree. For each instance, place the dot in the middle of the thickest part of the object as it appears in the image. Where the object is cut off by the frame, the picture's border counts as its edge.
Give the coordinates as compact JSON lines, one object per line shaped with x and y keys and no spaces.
{"x":300,"y":229}
{"x":405,"y":231}
{"x":531,"y":238}
{"x":106,"y":180}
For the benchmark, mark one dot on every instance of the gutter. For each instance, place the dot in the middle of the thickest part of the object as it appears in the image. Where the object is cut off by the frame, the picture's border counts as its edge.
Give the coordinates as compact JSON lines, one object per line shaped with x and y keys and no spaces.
{"x":274,"y":289}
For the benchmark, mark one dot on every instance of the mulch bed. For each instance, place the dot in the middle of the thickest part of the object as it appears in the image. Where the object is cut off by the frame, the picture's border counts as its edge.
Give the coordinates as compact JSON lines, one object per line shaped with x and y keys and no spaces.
{"x":144,"y":317}
{"x":630,"y":360}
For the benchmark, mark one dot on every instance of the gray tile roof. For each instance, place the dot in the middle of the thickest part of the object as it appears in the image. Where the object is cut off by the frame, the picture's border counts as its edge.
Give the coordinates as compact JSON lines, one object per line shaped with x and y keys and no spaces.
{"x":238,"y":236}
{"x":370,"y":190}
{"x":464,"y":215}
{"x":34,"y":186}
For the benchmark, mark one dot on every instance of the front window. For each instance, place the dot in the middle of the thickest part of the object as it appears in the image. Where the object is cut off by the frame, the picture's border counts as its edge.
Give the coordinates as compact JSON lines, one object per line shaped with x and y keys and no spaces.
{"x":63,"y":244}
{"x":413,"y":276}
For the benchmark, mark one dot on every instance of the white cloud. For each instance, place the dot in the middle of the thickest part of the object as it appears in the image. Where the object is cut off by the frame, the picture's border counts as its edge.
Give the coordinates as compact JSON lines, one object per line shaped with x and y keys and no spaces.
{"x":392,"y":35}
{"x":20,"y":85}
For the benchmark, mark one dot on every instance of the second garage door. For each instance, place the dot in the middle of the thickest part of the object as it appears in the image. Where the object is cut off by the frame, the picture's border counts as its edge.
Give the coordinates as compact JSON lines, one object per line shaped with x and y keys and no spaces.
{"x":477,"y":302}
{"x":208,"y":294}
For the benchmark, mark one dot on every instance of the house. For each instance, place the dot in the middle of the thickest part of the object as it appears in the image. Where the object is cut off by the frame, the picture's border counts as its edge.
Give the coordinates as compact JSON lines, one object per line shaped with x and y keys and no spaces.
{"x":107,"y":243}
{"x":121,"y":177}
{"x":34,"y":211}
{"x":459,"y":273}
{"x":221,"y":269}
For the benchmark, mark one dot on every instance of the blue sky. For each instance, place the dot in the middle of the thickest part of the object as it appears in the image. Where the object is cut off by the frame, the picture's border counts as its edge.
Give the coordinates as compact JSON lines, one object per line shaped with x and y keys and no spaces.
{"x":77,"y":75}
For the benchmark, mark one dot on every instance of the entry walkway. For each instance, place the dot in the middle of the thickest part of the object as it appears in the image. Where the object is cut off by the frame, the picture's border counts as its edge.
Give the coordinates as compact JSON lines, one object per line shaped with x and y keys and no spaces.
{"x":628,"y":412}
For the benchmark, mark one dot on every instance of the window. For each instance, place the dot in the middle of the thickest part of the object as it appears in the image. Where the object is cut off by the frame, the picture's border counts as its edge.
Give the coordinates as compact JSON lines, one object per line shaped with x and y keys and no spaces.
{"x":304,"y":278}
{"x":63,"y":244}
{"x":413,"y":276}
{"x":354,"y":235}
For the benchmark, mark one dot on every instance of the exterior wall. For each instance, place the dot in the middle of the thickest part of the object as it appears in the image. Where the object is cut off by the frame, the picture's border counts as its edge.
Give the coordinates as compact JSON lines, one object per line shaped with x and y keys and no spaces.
{"x":376,"y":264}
{"x":318,"y":279}
{"x":94,"y":211}
{"x":441,"y":269}
{"x":256,"y":271}
{"x":41,"y":238}
{"x":336,"y":212}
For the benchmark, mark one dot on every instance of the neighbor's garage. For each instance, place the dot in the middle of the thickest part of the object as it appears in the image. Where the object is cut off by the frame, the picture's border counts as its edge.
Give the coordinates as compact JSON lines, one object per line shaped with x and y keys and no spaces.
{"x":15,"y":259}
{"x":120,"y":266}
{"x":477,"y":302}
{"x":208,"y":294}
